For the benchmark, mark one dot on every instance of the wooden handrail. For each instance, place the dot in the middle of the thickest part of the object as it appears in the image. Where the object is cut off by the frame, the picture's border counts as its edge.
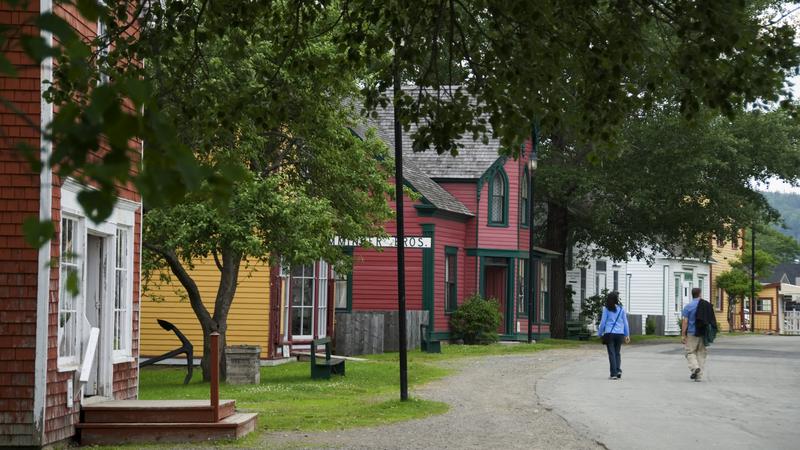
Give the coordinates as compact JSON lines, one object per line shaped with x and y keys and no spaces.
{"x":215,"y":375}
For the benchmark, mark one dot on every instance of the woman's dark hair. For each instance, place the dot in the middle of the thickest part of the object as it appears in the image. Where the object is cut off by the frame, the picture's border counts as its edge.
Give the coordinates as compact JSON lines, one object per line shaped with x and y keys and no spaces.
{"x":612,"y":300}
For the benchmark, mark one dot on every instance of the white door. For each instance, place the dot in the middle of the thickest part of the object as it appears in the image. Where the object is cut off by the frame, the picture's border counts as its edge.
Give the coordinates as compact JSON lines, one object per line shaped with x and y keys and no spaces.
{"x":600,"y":283}
{"x":93,"y":310}
{"x":682,"y":294}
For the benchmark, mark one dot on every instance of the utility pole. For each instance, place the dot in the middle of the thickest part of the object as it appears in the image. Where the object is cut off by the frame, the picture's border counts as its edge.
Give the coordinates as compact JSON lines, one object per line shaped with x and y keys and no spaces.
{"x":530,"y":274}
{"x":753,"y":280}
{"x":398,"y":193}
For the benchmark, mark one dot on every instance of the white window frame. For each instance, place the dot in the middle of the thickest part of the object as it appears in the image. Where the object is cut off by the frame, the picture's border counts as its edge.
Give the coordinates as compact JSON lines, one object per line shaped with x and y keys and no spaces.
{"x":123,"y":215}
{"x":760,"y":302}
{"x":71,"y":361}
{"x":295,"y":308}
{"x":340,"y":290}
{"x":321,"y":326}
{"x":122,"y":333}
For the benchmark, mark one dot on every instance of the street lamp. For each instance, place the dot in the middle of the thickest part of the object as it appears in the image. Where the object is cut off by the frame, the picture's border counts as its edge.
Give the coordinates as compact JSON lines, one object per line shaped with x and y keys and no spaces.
{"x":532,"y":164}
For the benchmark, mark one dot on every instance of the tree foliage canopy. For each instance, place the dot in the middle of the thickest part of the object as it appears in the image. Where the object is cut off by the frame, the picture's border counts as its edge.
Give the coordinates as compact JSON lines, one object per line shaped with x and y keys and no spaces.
{"x":584,"y":67}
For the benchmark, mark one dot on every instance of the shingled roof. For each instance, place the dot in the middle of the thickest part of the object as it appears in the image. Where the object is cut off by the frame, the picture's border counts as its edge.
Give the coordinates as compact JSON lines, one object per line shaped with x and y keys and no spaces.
{"x":785,"y":272}
{"x":472,"y":161}
{"x":425,"y":186}
{"x":431,"y":191}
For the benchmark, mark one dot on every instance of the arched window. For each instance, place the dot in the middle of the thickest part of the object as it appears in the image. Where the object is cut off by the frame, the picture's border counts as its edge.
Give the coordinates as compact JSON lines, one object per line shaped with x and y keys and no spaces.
{"x":523,"y":199}
{"x":497,"y":199}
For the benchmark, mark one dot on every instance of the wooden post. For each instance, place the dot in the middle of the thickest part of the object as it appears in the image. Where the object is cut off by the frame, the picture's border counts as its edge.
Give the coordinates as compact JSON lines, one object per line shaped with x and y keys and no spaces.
{"x":398,"y":186}
{"x":215,"y":375}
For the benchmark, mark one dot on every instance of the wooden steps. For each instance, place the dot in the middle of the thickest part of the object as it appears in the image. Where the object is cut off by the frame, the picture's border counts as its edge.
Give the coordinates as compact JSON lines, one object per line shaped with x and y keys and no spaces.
{"x":142,"y":421}
{"x":156,"y":411}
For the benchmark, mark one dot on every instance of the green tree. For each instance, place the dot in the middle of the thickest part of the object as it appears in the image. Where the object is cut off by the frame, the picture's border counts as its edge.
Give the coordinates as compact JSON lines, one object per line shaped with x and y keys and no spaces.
{"x":584,"y":67}
{"x":669,"y":187}
{"x":577,"y":72}
{"x":280,"y":122}
{"x":737,"y":282}
{"x":782,"y":248}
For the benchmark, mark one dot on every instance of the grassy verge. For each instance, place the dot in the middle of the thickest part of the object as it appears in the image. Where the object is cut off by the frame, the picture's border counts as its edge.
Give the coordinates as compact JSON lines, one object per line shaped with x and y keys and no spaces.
{"x":288,"y":400}
{"x":470,"y":351}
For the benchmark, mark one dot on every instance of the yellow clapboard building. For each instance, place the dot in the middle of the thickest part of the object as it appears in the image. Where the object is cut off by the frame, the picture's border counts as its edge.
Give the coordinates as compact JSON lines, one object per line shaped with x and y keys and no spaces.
{"x":724,"y":252}
{"x":248,"y":319}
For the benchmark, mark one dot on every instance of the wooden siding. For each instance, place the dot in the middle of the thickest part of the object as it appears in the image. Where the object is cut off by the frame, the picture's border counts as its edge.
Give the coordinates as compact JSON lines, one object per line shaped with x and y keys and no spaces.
{"x":375,"y":279}
{"x":248,"y":319}
{"x":501,"y":237}
{"x":19,"y":198}
{"x":766,"y":322}
{"x":647,"y":287}
{"x":60,"y":420}
{"x":447,"y":234}
{"x":723,"y":255}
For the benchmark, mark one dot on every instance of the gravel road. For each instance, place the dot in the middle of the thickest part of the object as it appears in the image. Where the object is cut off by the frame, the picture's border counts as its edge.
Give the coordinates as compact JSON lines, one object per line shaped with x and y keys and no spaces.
{"x":493,"y":404}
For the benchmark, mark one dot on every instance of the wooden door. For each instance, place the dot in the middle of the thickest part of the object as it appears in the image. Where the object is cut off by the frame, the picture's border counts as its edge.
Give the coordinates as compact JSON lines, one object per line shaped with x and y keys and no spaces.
{"x":496,"y":289}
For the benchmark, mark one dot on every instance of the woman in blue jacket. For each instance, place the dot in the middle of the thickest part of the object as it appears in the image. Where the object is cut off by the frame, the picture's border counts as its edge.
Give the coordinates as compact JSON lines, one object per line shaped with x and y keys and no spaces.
{"x":614,"y":324}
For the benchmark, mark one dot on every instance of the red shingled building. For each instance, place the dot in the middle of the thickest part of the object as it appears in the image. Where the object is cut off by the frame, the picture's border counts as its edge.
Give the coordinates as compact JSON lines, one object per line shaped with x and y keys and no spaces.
{"x":466,"y":233}
{"x":46,"y":333}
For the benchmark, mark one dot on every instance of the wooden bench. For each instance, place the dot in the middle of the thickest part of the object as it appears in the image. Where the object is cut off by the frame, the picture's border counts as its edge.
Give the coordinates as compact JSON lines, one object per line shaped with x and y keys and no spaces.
{"x":577,"y":329}
{"x":323,"y":369}
{"x":428,"y":345}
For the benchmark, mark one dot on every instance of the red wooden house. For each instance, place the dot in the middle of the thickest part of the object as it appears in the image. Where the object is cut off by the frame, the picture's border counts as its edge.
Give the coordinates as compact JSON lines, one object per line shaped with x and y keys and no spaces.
{"x":473,"y":211}
{"x":58,"y":350}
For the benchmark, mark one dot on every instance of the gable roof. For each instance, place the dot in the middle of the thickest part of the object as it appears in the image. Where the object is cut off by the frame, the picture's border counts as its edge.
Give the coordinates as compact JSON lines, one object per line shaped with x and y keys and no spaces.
{"x":785,"y":273}
{"x":471,"y":162}
{"x":431,"y":191}
{"x":424,"y":185}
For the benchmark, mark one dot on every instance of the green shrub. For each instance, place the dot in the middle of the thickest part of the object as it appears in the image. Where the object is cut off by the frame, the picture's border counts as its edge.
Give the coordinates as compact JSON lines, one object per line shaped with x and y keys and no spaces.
{"x":650,"y":326}
{"x":592,"y":308}
{"x":476,"y":320}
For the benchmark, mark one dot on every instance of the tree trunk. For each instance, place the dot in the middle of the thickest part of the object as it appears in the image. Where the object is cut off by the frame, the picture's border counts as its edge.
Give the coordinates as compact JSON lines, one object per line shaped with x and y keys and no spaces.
{"x":229,"y":274}
{"x":228,"y":279}
{"x":556,"y":238}
{"x":731,"y":321}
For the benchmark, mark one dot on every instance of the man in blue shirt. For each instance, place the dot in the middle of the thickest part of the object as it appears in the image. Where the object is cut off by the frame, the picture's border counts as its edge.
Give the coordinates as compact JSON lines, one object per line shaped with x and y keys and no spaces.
{"x":694,"y":345}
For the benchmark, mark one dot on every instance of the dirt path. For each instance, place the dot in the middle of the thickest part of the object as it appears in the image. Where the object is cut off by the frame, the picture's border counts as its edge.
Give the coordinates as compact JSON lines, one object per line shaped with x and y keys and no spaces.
{"x":493,"y":404}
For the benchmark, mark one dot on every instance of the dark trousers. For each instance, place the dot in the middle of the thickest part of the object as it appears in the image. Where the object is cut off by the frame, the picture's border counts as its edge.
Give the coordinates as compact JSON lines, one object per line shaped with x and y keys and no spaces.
{"x":614,"y":360}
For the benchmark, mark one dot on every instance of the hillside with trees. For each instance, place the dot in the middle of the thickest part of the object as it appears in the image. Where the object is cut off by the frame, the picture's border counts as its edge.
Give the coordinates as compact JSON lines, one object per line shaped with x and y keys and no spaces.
{"x":788,"y":205}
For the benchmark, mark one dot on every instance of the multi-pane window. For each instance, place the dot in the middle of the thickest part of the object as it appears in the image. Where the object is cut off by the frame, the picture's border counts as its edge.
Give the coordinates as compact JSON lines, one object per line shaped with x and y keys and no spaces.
{"x":544,"y":288}
{"x":718,"y":299}
{"x":122,"y":294}
{"x":340,"y":290}
{"x":720,"y":241}
{"x":302,"y":299}
{"x":583,"y":284}
{"x":616,"y":281}
{"x":522,"y":287}
{"x":68,"y":299}
{"x":498,"y":186}
{"x":764,"y":305}
{"x":102,"y":51}
{"x":450,"y":280}
{"x":701,"y":283}
{"x":322,"y":299}
{"x":735,"y":240}
{"x":524,"y":202}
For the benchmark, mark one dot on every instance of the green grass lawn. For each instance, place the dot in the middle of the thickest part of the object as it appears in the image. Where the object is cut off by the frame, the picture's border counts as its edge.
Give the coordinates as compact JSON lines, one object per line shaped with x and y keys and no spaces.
{"x":287,"y":398}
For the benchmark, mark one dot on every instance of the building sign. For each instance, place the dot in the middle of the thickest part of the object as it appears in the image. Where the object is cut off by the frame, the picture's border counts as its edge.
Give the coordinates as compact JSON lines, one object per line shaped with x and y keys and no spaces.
{"x":573,"y":278}
{"x":387,"y":242}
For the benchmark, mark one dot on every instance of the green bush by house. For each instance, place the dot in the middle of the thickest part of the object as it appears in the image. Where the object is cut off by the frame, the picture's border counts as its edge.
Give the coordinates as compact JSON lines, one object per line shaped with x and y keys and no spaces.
{"x":476,"y":320}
